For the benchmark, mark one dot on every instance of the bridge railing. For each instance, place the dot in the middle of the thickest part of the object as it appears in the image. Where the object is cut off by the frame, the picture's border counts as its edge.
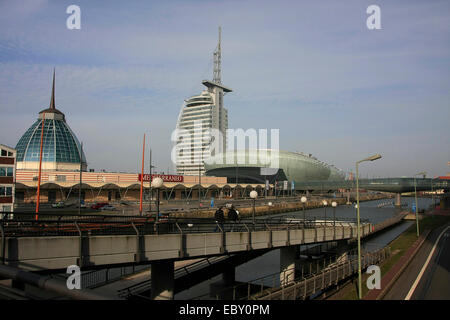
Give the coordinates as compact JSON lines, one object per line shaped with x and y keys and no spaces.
{"x":24,"y":225}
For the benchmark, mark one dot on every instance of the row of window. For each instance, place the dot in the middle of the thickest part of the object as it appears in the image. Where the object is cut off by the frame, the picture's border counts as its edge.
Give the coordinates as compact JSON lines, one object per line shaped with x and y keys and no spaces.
{"x":5,"y":191}
{"x":5,"y":153}
{"x":6,"y":171}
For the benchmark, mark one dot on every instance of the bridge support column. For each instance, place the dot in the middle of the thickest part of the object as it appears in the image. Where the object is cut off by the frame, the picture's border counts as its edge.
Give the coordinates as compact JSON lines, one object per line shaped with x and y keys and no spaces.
{"x":398,"y":199}
{"x":162,"y":285}
{"x":287,"y":264}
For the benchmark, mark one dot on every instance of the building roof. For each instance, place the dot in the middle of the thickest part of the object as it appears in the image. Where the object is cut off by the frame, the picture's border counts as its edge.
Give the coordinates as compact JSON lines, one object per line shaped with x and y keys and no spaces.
{"x":59,"y":142}
{"x":211,"y":84}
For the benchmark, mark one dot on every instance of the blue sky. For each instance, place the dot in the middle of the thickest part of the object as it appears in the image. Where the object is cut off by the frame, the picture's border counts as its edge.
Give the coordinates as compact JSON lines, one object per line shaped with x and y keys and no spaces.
{"x":312,"y":69}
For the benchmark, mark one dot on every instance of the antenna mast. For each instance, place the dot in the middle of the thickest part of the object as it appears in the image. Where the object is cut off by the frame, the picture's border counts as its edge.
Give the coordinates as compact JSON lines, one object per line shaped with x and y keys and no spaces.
{"x":217,"y":61}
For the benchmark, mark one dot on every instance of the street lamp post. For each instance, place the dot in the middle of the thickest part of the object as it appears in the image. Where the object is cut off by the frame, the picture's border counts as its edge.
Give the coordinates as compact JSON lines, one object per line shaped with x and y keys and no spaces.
{"x":254,"y":195}
{"x":303,"y":200}
{"x":334,"y":205}
{"x":157,"y":184}
{"x":372,"y":158}
{"x":415,"y":196}
{"x":325,"y":203}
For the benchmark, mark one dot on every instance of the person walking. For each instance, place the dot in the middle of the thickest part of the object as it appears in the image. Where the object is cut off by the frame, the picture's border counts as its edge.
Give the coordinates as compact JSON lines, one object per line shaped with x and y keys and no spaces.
{"x":220,"y":218}
{"x":233,"y":216}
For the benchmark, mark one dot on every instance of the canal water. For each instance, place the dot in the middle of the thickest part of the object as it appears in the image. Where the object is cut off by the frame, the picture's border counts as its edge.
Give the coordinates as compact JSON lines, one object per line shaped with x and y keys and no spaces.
{"x":375,"y":211}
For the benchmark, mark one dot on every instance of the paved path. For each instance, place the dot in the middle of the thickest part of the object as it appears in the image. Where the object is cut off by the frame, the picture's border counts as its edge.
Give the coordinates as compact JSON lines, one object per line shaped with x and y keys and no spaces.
{"x":390,"y":277}
{"x":435,"y":281}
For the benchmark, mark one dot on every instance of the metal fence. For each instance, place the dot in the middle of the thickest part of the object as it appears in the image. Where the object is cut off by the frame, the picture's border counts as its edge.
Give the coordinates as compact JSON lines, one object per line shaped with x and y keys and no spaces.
{"x":25,"y":225}
{"x":332,"y":275}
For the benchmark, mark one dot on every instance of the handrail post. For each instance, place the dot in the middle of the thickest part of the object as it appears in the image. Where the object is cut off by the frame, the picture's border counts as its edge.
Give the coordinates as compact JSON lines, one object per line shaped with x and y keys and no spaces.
{"x":137,"y":255}
{"x":80,"y":262}
{"x":249,"y":238}
{"x":269,"y":245}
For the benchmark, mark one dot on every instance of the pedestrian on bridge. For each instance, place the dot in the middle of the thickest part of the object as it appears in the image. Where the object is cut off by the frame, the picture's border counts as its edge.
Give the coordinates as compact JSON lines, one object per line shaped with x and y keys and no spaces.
{"x":220,"y":218}
{"x":233,"y":215}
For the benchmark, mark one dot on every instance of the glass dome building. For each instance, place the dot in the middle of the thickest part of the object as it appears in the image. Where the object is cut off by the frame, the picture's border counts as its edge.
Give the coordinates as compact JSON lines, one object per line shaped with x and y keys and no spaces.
{"x":60,"y":148}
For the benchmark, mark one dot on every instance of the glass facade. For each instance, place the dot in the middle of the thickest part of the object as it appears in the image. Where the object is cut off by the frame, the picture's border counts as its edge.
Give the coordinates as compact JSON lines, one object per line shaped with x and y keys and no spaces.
{"x":59,"y":143}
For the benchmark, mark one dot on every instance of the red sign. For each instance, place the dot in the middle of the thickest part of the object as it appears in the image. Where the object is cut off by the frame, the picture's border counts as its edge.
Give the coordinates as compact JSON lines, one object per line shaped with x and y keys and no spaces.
{"x":164,"y":177}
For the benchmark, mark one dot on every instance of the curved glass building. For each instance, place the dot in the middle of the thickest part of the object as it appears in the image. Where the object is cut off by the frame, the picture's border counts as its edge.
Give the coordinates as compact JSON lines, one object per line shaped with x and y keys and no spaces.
{"x":259,"y":165}
{"x":61,"y":149}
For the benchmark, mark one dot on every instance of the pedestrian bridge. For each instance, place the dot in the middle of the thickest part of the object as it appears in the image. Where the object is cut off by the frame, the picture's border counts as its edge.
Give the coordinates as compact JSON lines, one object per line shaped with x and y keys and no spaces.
{"x":395,"y":185}
{"x":97,"y":241}
{"x":93,"y":241}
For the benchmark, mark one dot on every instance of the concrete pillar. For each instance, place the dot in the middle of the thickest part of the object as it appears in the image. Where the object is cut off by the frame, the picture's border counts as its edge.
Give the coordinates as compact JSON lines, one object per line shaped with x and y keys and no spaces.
{"x":287,"y":264}
{"x":398,"y":199}
{"x":162,"y":280}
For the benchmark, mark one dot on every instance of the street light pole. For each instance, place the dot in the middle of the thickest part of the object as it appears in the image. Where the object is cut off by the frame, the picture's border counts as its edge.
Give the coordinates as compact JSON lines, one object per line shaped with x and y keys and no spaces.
{"x":254,"y":195}
{"x":372,"y":158}
{"x":303,"y":200}
{"x":325,"y":203}
{"x":334,"y":205}
{"x":157,"y":184}
{"x":81,"y":169}
{"x":415,"y":196}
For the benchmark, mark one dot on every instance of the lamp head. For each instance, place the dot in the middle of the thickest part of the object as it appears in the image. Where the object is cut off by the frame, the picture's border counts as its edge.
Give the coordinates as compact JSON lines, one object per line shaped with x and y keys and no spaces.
{"x":334,"y":204}
{"x":157,"y":183}
{"x":375,"y":157}
{"x":324,"y":202}
{"x":253,"y":194}
{"x":303,"y":199}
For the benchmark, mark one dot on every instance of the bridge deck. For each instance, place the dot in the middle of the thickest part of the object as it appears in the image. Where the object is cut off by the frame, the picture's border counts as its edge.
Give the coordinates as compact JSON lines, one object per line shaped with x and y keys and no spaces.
{"x":48,"y":244}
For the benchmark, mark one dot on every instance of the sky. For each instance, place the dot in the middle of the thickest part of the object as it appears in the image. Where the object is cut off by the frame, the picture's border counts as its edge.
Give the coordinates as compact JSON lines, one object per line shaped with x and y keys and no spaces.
{"x":311,"y":69}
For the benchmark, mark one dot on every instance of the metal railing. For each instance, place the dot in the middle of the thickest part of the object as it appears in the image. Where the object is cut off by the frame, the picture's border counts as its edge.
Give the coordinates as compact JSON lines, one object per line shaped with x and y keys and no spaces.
{"x":332,"y":275}
{"x":314,"y":277}
{"x":25,"y":225}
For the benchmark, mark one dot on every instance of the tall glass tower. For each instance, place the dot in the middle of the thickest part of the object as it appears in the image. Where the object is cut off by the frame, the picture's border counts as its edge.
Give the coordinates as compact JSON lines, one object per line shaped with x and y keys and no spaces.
{"x":202,"y":124}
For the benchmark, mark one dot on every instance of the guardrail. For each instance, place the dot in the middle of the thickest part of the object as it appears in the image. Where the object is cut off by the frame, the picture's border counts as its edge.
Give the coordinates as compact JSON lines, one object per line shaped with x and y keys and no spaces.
{"x":303,"y":288}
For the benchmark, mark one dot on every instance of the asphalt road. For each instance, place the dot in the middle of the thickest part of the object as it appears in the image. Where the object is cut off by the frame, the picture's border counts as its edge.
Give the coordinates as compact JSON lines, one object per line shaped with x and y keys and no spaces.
{"x":427,"y":277}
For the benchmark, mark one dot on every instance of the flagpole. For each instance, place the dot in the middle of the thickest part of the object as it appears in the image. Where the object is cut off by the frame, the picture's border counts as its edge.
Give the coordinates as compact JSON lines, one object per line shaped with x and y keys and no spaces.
{"x":40,"y":166}
{"x":142,"y":177}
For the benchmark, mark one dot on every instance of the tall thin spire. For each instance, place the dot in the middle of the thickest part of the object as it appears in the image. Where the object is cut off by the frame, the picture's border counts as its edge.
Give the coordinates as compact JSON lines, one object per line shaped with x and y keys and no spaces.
{"x":52,"y":100}
{"x":217,"y":61}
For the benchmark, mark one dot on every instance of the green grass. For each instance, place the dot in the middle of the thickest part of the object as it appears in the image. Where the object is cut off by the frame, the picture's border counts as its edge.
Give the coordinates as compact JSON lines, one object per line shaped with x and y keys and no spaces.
{"x":398,"y":248}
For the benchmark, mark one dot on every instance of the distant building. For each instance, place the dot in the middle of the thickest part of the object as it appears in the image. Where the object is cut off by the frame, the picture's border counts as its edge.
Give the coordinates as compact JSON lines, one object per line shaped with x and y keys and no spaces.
{"x":290,"y":166}
{"x":7,"y":178}
{"x":61,"y":149}
{"x":199,"y":116}
{"x":115,"y":187}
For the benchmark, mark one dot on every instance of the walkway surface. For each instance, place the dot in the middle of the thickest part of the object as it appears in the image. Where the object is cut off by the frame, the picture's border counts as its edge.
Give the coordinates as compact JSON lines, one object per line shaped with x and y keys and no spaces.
{"x":397,"y":283}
